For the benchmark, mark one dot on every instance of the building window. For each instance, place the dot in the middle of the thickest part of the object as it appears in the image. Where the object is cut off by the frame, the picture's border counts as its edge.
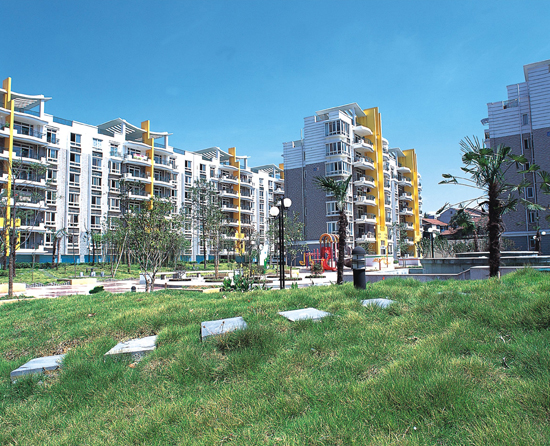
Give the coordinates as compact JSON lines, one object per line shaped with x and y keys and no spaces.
{"x":532,"y":216}
{"x":203,"y":167}
{"x":75,"y":139}
{"x":51,"y":136}
{"x":50,"y":218}
{"x":52,"y":155}
{"x":50,"y":197}
{"x":332,"y":227}
{"x":187,"y":165}
{"x":114,"y":167}
{"x":337,"y":168}
{"x":96,"y":182}
{"x":115,"y":204}
{"x":97,"y":143}
{"x":337,"y":148}
{"x":74,"y":179}
{"x":74,"y":158}
{"x":529,"y":192}
{"x":96,"y":202}
{"x":115,"y":186}
{"x":114,"y":150}
{"x":526,"y":145}
{"x":96,"y":163}
{"x":74,"y":199}
{"x":95,"y":221}
{"x":52,"y":176}
{"x":338,"y":127}
{"x":73,"y":220}
{"x":525,"y":119}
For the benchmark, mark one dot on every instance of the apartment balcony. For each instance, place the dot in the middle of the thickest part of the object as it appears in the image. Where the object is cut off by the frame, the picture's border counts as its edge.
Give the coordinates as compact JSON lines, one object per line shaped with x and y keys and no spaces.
{"x":279,"y":191}
{"x":247,"y":211}
{"x":387,"y":204}
{"x":137,"y":177}
{"x":230,"y":208}
{"x":140,"y":160}
{"x":32,"y":249}
{"x":403,"y":181}
{"x":133,"y":195}
{"x":247,"y":197}
{"x":365,"y":200}
{"x":366,"y":219}
{"x":403,"y":169}
{"x":361,"y":130}
{"x":364,"y":162}
{"x":163,"y":182}
{"x":24,"y":134}
{"x":231,"y":222}
{"x":363,"y":147}
{"x":387,"y":186}
{"x":165,"y":165}
{"x":228,"y":193}
{"x":408,"y":226}
{"x":405,"y":196}
{"x":24,"y":157}
{"x":229,"y":179}
{"x":406,"y":211}
{"x":366,"y":181}
{"x":246,"y":223}
{"x":30,"y":227}
{"x":408,"y":241}
{"x":114,"y":172}
{"x":29,"y":202}
{"x":368,"y":237}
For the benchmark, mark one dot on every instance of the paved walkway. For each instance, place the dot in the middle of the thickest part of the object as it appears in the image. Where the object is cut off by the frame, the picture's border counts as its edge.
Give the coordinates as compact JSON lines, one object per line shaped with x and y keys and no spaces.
{"x":123,"y":286}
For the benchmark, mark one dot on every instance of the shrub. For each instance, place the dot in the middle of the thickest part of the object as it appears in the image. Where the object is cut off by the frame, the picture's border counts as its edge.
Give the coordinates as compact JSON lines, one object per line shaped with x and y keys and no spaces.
{"x":97,"y":289}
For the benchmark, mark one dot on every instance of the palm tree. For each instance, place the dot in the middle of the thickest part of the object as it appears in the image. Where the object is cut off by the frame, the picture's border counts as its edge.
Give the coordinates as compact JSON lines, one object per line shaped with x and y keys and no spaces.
{"x":339,"y":190}
{"x":487,"y":168}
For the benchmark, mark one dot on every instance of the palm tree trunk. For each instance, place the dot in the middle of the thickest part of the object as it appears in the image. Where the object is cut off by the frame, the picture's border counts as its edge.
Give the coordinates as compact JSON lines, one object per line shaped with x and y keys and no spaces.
{"x":493,"y":228}
{"x":342,"y":228}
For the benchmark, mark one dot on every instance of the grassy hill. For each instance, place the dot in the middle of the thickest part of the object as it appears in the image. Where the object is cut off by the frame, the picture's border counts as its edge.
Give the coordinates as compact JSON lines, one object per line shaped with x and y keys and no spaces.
{"x":452,"y":363}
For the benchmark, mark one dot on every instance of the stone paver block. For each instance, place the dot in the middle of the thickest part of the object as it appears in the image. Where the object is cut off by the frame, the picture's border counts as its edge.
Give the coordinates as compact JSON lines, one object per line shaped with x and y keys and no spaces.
{"x":213,"y":328}
{"x":136,"y":348}
{"x":38,"y":365}
{"x":303,"y":314}
{"x":382,"y":303}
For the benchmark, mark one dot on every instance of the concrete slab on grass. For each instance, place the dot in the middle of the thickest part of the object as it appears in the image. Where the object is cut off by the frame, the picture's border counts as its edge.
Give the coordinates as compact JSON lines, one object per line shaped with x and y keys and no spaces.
{"x":303,"y":314}
{"x":38,"y":365}
{"x":214,"y":328}
{"x":382,"y":303}
{"x":136,"y":348}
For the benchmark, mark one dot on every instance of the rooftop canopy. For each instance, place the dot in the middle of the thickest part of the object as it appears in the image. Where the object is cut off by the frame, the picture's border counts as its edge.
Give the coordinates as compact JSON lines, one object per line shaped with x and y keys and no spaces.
{"x":26,"y":101}
{"x":350,"y":109}
{"x":271,"y":169}
{"x":133,"y":133}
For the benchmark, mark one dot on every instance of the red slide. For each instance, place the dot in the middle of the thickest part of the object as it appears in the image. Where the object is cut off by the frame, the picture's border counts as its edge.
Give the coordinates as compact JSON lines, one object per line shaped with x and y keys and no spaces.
{"x":326,"y":267}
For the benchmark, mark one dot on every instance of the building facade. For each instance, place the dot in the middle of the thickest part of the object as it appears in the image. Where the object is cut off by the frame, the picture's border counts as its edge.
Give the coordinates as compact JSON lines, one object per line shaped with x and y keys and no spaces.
{"x":87,"y":168}
{"x":522,"y":122}
{"x":384,"y":199}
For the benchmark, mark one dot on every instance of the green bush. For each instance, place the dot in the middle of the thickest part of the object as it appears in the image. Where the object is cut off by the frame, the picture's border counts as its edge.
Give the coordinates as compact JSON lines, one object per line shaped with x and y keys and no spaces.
{"x":97,"y":289}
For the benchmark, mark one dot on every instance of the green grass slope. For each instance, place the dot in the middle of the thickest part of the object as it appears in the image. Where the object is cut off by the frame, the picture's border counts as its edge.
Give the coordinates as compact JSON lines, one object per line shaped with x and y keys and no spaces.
{"x":452,"y":363}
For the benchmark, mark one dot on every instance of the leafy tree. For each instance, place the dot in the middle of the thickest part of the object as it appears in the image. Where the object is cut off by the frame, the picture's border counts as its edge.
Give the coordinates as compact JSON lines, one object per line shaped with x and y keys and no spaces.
{"x":208,"y":218}
{"x":21,"y":190}
{"x":401,"y":233}
{"x":339,"y":190}
{"x":294,"y":235}
{"x":487,"y":169}
{"x":152,"y":234}
{"x":468,"y":227}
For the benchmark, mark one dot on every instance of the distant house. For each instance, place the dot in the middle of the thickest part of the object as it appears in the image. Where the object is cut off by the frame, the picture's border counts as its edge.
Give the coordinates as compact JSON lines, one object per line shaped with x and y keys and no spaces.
{"x":449,"y":213}
{"x":436,"y":226}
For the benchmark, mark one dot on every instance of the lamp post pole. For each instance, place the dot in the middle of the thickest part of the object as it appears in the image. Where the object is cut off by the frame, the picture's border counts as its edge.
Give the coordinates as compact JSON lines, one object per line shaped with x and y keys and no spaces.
{"x":277,"y":210}
{"x":281,"y":249}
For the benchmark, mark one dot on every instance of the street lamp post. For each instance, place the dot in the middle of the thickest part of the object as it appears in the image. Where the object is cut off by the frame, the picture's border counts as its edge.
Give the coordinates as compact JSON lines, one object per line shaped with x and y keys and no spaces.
{"x":431,"y":231}
{"x":275,"y":211}
{"x":537,"y":237}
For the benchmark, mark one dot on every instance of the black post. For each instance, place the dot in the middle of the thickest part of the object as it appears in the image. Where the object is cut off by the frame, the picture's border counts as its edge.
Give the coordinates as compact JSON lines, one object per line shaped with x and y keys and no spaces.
{"x":281,"y":248}
{"x":432,"y":242}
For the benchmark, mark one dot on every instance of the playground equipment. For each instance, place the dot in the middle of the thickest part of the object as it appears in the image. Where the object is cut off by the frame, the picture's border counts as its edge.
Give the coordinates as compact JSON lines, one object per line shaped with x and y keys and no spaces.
{"x":327,"y":256}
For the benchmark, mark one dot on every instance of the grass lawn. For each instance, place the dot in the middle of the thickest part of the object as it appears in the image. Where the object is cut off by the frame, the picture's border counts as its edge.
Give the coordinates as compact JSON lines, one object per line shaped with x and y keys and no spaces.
{"x":428,"y":370}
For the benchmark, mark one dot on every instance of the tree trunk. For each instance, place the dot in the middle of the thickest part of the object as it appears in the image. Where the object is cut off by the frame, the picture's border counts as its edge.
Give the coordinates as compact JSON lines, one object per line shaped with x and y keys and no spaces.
{"x":217,"y":256}
{"x":13,"y":245}
{"x":493,"y":228}
{"x":128,"y":259}
{"x":53,"y":251}
{"x":342,"y":228}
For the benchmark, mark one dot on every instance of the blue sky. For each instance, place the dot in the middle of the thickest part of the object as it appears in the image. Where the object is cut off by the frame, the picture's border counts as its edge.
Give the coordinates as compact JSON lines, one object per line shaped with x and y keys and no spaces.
{"x":246,"y":73}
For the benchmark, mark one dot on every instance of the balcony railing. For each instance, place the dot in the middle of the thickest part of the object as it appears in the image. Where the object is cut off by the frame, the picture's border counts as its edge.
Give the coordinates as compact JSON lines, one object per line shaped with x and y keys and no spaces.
{"x":27,"y":131}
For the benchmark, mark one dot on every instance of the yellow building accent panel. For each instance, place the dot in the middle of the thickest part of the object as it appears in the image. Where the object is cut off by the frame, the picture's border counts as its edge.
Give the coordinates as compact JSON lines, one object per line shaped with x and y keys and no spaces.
{"x":150,"y":170}
{"x":282,"y":167}
{"x":373,"y":121}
